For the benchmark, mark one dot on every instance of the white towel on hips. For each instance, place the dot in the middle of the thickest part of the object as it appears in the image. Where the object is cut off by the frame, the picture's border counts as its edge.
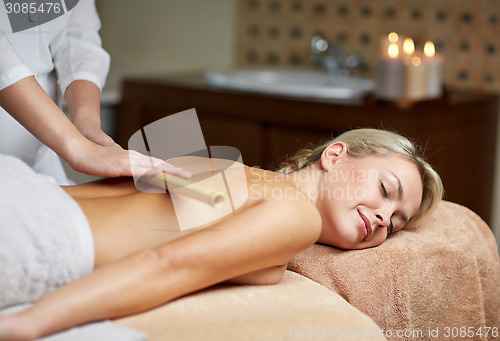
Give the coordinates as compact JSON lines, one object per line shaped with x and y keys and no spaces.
{"x":45,"y":239}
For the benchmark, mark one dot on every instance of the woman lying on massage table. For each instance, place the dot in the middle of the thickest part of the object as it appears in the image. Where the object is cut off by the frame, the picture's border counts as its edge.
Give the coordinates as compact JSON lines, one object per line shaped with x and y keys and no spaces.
{"x":350,"y":193}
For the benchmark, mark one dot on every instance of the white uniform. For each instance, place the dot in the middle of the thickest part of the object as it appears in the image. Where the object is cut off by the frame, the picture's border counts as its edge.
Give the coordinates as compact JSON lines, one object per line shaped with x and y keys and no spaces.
{"x":69,"y":45}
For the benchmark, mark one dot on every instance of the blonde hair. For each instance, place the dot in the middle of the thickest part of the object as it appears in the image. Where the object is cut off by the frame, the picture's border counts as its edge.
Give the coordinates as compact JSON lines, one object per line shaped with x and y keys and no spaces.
{"x":365,"y":142}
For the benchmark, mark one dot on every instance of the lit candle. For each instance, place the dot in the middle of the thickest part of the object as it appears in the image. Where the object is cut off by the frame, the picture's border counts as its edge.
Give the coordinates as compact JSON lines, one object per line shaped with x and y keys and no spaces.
{"x":433,"y":64}
{"x":391,"y":38}
{"x":408,"y":47}
{"x":416,"y":78}
{"x":389,"y":73}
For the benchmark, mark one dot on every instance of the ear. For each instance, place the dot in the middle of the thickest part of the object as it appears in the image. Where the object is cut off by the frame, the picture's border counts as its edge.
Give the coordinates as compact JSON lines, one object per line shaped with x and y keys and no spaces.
{"x":332,"y":154}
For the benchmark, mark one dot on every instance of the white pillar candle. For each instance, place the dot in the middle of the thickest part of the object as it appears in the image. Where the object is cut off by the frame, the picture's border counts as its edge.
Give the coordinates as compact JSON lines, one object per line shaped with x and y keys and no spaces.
{"x":433,"y":63}
{"x":389,"y":74}
{"x":416,"y":78}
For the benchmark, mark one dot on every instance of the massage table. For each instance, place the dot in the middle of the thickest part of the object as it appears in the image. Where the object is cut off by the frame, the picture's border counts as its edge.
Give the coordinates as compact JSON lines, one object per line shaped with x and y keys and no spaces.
{"x":439,"y":280}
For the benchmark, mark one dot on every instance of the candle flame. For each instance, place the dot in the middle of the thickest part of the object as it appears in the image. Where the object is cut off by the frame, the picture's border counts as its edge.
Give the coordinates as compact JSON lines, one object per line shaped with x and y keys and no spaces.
{"x":408,"y":46}
{"x":429,"y":50}
{"x":416,"y":61}
{"x":393,"y":50}
{"x":393,"y":37}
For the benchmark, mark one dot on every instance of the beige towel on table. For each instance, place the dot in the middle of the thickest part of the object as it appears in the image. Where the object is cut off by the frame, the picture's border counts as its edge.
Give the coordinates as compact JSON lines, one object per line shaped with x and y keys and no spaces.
{"x":439,"y":276}
{"x":294,"y":309}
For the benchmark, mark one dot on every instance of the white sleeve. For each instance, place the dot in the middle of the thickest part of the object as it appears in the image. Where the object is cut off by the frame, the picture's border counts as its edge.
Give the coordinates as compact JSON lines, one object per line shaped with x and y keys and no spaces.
{"x":80,"y":55}
{"x":12,"y":68}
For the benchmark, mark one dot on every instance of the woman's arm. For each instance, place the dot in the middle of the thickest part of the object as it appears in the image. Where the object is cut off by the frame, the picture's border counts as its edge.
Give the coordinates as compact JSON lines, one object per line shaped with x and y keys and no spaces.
{"x":267,"y":276}
{"x":263,"y":236}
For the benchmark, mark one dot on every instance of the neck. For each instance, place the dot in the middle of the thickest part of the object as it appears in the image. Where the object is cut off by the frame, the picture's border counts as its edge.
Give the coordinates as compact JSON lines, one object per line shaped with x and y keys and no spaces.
{"x":307,"y":180}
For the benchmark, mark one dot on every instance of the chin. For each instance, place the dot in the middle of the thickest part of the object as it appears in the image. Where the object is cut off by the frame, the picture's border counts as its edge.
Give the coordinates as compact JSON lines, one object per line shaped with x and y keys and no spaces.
{"x":342,"y":233}
{"x":349,"y":246}
{"x":346,"y":241}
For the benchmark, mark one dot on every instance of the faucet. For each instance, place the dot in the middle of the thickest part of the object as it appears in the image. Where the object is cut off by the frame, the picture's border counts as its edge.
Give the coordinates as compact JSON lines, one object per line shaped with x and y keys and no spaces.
{"x":334,"y":58}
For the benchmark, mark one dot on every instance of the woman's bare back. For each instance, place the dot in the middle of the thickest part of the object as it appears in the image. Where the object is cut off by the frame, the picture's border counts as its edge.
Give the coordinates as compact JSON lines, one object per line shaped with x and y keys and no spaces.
{"x":125,"y":220}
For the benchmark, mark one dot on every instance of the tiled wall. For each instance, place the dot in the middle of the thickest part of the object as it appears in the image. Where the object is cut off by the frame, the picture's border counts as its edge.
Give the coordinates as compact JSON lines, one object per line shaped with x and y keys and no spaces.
{"x":466,"y":32}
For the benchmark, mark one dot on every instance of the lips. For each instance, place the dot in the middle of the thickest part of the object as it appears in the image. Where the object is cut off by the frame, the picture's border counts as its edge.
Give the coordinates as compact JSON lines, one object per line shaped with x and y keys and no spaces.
{"x":366,"y":226}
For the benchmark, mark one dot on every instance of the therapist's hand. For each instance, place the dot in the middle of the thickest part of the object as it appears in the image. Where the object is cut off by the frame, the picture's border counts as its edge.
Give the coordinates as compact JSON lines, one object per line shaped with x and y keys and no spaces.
{"x":114,"y":161}
{"x":30,"y":105}
{"x":94,"y":133}
{"x":100,"y":155}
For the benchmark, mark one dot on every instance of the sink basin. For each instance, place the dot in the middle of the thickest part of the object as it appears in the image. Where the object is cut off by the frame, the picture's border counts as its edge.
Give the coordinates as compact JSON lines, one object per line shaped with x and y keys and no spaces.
{"x":292,"y":83}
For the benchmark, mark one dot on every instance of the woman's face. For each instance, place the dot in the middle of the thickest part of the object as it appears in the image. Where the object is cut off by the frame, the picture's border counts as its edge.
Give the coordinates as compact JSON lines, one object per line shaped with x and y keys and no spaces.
{"x":362,"y":199}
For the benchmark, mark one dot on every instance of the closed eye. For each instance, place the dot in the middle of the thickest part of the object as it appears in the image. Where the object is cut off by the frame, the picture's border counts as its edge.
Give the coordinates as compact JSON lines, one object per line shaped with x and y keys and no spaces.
{"x":391,"y":230}
{"x":384,"y":190}
{"x":386,"y":195}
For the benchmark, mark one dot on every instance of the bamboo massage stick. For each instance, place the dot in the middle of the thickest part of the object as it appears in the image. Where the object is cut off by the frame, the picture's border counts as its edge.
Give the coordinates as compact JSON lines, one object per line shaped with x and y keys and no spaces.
{"x":189,"y":188}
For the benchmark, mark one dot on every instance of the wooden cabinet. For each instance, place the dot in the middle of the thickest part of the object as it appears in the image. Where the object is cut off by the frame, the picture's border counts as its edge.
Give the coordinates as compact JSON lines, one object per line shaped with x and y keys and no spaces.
{"x":457,"y":132}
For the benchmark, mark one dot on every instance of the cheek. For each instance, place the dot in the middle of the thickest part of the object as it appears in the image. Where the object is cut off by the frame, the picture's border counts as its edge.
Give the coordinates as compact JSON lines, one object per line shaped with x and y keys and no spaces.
{"x":348,"y":194}
{"x":379,"y":237}
{"x":364,"y":192}
{"x":363,"y":187}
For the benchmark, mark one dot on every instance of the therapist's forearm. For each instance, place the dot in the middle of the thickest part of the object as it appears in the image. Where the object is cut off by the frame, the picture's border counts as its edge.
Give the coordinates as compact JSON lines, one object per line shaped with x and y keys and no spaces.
{"x":30,"y":105}
{"x":84,"y":103}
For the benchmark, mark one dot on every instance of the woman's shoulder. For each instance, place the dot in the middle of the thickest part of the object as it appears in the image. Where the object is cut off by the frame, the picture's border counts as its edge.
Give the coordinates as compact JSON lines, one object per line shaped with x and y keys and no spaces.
{"x":252,"y":186}
{"x":272,"y":183}
{"x":233,"y":171}
{"x":273,"y":186}
{"x":289,"y":204}
{"x":261,"y":184}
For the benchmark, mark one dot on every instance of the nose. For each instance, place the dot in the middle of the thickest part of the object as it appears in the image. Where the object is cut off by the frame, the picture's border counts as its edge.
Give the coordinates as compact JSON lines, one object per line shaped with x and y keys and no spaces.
{"x":383,"y":216}
{"x":382,"y":221}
